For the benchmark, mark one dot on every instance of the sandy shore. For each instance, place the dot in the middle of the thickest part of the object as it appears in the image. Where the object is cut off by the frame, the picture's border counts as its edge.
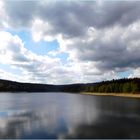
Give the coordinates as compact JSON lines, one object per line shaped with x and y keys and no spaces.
{"x":130,"y":95}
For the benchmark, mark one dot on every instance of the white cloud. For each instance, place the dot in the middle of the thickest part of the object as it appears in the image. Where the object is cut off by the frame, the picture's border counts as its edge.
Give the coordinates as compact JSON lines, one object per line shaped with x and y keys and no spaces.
{"x":34,"y":68}
{"x":13,"y":52}
{"x":135,"y":73}
{"x":10,"y":76}
{"x":40,"y":30}
{"x":41,"y":69}
{"x":100,"y":38}
{"x":104,"y":53}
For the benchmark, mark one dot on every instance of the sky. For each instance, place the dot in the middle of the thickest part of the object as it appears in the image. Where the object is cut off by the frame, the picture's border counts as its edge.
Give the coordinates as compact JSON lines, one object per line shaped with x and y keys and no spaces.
{"x":69,"y":41}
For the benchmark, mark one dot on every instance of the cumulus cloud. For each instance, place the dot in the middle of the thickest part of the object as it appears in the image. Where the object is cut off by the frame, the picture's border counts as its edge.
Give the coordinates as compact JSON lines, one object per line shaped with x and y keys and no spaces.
{"x":111,"y":48}
{"x":100,"y":37}
{"x":14,"y":53}
{"x":136,"y":73}
{"x":34,"y":68}
{"x":72,"y":18}
{"x":12,"y":49}
{"x":20,"y":13}
{"x":9,"y":76}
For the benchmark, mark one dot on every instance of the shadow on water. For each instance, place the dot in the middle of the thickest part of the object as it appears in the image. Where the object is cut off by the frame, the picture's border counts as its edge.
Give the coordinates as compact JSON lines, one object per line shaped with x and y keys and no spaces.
{"x":59,"y":115}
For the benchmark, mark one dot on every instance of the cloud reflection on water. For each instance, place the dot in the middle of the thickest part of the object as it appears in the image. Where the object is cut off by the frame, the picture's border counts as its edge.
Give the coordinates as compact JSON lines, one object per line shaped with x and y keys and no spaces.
{"x":59,"y":115}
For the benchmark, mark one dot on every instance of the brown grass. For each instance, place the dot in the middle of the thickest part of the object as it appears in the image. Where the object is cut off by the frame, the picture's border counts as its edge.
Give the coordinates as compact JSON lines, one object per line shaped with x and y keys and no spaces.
{"x":130,"y":95}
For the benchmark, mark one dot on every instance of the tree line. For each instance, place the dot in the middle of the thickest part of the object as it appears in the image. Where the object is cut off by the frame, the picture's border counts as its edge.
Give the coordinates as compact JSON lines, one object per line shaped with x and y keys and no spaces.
{"x":114,"y":86}
{"x":131,"y":85}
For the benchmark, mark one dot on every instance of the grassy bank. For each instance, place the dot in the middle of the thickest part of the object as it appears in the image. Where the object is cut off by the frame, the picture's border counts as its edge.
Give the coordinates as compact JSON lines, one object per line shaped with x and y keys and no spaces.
{"x":130,"y":95}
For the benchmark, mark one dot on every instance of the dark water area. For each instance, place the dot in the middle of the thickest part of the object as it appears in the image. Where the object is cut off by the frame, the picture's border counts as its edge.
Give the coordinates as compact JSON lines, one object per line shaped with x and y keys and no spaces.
{"x":63,"y":115}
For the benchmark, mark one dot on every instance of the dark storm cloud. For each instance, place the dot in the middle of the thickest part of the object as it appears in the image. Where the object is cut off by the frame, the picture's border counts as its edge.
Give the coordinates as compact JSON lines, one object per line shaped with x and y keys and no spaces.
{"x":117,"y":53}
{"x":72,"y":18}
{"x":118,"y":12}
{"x":20,"y":13}
{"x":67,"y":18}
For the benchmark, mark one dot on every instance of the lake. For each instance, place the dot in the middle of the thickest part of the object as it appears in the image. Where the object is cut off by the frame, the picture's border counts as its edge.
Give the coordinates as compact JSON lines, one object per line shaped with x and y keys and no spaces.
{"x":64,"y":115}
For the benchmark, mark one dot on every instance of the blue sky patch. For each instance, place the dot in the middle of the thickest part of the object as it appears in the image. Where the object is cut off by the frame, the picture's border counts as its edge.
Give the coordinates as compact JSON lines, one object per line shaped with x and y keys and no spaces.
{"x":125,"y":74}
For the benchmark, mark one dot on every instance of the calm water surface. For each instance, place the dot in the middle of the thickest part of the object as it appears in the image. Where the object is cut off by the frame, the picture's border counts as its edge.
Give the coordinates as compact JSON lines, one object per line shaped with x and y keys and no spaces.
{"x":63,"y":115}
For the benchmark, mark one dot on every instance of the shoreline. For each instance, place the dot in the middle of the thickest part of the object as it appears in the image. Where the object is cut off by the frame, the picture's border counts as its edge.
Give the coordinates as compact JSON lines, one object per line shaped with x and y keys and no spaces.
{"x":129,"y":95}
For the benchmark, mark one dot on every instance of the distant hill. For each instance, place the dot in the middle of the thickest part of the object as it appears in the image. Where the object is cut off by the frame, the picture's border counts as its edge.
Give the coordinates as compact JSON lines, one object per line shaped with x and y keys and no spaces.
{"x":114,"y":86}
{"x":12,"y":86}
